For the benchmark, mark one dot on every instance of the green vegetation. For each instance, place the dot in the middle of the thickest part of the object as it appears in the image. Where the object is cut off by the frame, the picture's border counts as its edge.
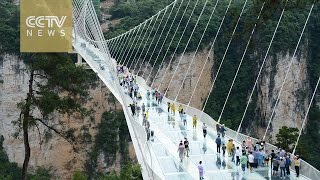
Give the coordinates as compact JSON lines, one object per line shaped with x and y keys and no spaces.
{"x":286,"y":138}
{"x":129,"y":171}
{"x":9,"y":27}
{"x":79,"y":176}
{"x":11,"y":171}
{"x":55,"y":85}
{"x":112,"y":138}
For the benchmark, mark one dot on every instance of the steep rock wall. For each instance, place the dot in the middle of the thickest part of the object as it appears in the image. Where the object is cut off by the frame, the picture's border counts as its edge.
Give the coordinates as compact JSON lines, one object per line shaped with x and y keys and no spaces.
{"x":50,"y":150}
{"x":293,"y":101}
{"x":189,"y":84}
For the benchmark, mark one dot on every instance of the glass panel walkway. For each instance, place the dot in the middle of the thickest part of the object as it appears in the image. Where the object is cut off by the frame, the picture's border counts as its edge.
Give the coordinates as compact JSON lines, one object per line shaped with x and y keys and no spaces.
{"x":169,"y":131}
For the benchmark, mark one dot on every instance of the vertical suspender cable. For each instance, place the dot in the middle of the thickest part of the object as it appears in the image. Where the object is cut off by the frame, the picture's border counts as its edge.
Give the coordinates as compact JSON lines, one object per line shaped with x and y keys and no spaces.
{"x":125,"y":44}
{"x":234,"y":30}
{"x":167,"y":37}
{"x":190,"y":37}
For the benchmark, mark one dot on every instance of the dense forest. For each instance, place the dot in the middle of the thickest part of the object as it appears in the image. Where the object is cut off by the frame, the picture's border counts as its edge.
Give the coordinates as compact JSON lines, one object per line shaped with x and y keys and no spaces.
{"x":286,"y":38}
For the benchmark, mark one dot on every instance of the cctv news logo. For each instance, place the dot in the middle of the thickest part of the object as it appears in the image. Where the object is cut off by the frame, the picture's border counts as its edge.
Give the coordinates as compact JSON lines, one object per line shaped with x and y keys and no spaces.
{"x":45,"y":26}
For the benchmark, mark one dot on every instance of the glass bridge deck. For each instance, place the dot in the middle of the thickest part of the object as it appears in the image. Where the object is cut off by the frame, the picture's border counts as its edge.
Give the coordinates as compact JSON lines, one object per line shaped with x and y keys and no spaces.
{"x":169,"y":131}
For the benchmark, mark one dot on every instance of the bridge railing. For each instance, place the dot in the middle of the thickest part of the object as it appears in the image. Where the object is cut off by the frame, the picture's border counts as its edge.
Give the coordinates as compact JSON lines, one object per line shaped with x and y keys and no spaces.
{"x":307,"y":170}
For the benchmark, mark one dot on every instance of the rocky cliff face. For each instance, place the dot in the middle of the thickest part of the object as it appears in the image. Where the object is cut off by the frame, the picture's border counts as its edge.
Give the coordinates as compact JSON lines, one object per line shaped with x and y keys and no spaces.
{"x":192,"y":76}
{"x":48,"y":149}
{"x":293,"y":101}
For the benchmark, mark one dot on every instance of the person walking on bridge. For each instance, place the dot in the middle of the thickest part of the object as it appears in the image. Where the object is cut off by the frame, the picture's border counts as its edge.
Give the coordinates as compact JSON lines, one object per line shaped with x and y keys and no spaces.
{"x":180,"y":109}
{"x":133,"y":109}
{"x":160,"y":98}
{"x":218,"y":142}
{"x":181,"y":151}
{"x":143,"y":108}
{"x":184,"y":118}
{"x":222,"y":130}
{"x":201,"y":171}
{"x":186,"y":146}
{"x":173,"y":108}
{"x":194,"y":121}
{"x":204,"y":130}
{"x":297,"y":164}
{"x":243,"y":161}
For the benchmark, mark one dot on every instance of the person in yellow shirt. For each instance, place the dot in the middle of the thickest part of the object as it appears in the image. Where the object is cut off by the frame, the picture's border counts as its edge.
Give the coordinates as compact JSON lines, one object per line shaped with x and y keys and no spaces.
{"x":194,"y":121}
{"x":173,"y":108}
{"x":147,"y":114}
{"x":229,"y":146}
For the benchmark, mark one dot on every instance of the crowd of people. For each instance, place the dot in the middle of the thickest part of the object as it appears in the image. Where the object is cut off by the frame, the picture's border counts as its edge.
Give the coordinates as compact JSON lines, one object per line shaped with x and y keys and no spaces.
{"x":247,"y":155}
{"x":253,"y":155}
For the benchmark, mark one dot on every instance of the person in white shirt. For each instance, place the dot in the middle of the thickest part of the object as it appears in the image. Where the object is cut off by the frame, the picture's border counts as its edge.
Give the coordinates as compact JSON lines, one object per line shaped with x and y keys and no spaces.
{"x":238,"y":155}
{"x":251,"y":161}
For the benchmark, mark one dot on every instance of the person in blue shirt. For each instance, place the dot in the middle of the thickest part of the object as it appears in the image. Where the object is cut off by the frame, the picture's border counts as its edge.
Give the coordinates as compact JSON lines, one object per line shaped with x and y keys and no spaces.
{"x":288,"y":164}
{"x":218,"y":142}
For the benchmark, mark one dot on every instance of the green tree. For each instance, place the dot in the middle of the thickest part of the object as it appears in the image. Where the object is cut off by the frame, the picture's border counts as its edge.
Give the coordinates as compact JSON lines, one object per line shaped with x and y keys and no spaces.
{"x":79,"y":176}
{"x":287,"y":137}
{"x":130,"y":171}
{"x":9,"y":27}
{"x":55,"y":85}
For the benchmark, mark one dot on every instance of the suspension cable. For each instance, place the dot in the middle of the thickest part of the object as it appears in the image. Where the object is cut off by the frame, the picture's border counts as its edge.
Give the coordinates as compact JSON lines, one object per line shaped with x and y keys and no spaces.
{"x":132,"y":42}
{"x":145,"y":44}
{"x":260,"y":71}
{"x":242,"y":58}
{"x":164,"y":14}
{"x":193,"y":57}
{"x":120,"y":41}
{"x":171,"y":43}
{"x":190,"y":37}
{"x":234,"y":30}
{"x":131,"y":50}
{"x":211,"y":48}
{"x":125,"y":45}
{"x":143,"y":41}
{"x":154,"y":38}
{"x":164,"y":39}
{"x":174,"y":2}
{"x":167,"y":36}
{"x":306,"y":116}
{"x":288,"y":69}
